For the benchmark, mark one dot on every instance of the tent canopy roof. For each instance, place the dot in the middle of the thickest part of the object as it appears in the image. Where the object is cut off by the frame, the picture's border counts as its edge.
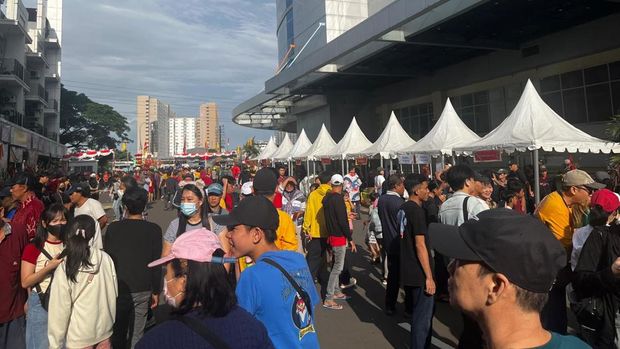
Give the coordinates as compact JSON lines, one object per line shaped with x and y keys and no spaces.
{"x":268,"y":151}
{"x":353,"y":141}
{"x":449,"y":132}
{"x":392,"y":139}
{"x":534,"y":125}
{"x":301,"y":146}
{"x":284,"y":149}
{"x":323,"y":143}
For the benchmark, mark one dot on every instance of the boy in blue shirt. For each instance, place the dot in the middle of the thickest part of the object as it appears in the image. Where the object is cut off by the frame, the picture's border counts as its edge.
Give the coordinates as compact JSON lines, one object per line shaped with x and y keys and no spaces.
{"x":264,"y":290}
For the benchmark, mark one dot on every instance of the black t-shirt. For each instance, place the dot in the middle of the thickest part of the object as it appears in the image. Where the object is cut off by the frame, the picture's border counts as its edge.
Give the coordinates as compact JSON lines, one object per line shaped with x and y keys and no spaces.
{"x":387,"y":208}
{"x":412,"y":223}
{"x":133,"y":244}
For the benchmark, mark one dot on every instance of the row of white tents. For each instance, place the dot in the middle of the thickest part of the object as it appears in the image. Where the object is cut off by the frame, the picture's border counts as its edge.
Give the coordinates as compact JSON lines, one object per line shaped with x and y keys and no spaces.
{"x":532,"y":125}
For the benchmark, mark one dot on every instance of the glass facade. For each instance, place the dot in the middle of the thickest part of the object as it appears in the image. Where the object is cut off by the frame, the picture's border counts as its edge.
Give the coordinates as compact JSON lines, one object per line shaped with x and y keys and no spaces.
{"x":586,"y":95}
{"x":417,"y":120}
{"x":474,"y":109}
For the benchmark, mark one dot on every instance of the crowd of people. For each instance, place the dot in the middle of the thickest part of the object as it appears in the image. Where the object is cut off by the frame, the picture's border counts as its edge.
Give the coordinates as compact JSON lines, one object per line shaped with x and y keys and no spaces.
{"x":252,"y":253}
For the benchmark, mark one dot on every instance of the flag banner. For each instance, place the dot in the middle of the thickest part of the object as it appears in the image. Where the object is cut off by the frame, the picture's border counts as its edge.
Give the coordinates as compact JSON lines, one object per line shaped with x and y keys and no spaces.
{"x":488,"y":156}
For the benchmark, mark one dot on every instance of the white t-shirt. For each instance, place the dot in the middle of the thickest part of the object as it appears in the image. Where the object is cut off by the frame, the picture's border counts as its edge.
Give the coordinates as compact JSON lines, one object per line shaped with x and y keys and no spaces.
{"x":94,"y":209}
{"x":379,"y":179}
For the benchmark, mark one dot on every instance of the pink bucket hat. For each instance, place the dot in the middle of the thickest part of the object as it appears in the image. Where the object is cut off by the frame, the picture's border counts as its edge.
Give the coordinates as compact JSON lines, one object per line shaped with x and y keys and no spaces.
{"x":196,"y":245}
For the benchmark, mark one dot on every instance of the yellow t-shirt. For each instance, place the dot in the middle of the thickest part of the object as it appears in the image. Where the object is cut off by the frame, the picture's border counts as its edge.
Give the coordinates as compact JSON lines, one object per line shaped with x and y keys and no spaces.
{"x":554,"y":212}
{"x":286,"y":237}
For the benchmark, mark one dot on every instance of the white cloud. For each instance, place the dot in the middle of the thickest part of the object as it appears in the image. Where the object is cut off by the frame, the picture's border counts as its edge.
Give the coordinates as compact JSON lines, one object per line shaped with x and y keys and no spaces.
{"x":184,"y":52}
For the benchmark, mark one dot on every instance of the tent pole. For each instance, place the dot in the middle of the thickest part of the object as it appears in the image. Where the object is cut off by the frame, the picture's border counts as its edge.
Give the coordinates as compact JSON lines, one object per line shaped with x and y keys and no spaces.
{"x":431,"y":167}
{"x":381,"y":157}
{"x":443,"y":161}
{"x":412,"y":166}
{"x":343,"y":169}
{"x":536,"y":178}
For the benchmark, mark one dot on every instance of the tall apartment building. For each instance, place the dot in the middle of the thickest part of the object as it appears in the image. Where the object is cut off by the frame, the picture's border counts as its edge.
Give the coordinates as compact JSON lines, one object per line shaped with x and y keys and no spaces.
{"x":208,"y":126}
{"x":152,"y":120}
{"x":30,"y":60}
{"x":182,"y":134}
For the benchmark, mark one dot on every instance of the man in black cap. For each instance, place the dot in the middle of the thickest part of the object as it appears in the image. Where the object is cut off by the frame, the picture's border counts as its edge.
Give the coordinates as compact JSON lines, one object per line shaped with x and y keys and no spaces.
{"x":84,"y":204}
{"x":278,"y":290}
{"x":265,"y":183}
{"x":504,"y":265}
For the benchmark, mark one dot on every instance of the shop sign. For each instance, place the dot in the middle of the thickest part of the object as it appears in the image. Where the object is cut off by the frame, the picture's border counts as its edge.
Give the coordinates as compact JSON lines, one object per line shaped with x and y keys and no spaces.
{"x":488,"y":156}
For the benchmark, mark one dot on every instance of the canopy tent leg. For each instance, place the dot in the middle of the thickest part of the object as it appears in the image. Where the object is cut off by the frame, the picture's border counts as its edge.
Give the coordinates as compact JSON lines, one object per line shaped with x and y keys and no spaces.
{"x":536,"y":179}
{"x":412,"y":167}
{"x":419,"y":170}
{"x":391,"y":165}
{"x":381,"y":157}
{"x":430,"y":167}
{"x":443,"y":161}
{"x":343,"y":167}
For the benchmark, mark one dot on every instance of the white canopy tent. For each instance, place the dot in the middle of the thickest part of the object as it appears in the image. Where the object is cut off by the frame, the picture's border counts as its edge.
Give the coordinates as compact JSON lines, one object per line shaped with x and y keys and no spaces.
{"x":301,"y":146}
{"x":284,"y":149}
{"x":392,"y":139}
{"x":533,"y":125}
{"x":353,"y":141}
{"x":449,"y":132}
{"x":323,"y":143}
{"x":268,"y":151}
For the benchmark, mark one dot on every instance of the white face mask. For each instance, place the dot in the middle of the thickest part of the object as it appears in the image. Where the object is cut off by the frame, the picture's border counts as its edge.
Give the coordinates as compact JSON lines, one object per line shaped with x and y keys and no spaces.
{"x":171,"y":300}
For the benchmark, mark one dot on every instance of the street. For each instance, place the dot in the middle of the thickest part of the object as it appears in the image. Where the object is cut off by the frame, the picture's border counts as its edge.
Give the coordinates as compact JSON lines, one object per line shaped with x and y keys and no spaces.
{"x":362,"y":323}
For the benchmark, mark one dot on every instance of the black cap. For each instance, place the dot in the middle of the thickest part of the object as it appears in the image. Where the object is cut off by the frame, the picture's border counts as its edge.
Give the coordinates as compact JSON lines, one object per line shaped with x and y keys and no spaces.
{"x":81,"y":188}
{"x":265,"y":182}
{"x":253,"y":211}
{"x":5,"y":192}
{"x":520,"y":247}
{"x":26,"y":179}
{"x":479,"y":177}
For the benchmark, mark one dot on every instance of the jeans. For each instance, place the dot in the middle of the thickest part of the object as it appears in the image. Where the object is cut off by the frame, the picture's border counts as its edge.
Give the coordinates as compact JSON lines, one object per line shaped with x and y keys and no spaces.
{"x":13,"y":334}
{"x":131,"y":313}
{"x":393,"y":281}
{"x":36,"y":324}
{"x":333,"y":285}
{"x":116,"y":207}
{"x":421,"y":318}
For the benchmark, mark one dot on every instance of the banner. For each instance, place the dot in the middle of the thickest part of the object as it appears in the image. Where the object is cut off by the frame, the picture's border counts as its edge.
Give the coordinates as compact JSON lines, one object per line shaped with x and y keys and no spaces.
{"x":405,"y":159}
{"x":361,"y":161}
{"x":326,"y":161}
{"x":20,"y":138}
{"x":488,"y":156}
{"x":422,"y":159}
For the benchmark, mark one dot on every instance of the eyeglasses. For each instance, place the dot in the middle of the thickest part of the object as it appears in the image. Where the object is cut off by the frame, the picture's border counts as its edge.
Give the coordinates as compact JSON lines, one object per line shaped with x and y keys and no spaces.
{"x":586,"y":189}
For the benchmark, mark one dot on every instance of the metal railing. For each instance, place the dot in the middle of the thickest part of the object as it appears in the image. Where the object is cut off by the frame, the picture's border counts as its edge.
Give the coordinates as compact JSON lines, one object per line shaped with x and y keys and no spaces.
{"x":12,"y":116}
{"x":11,"y":66}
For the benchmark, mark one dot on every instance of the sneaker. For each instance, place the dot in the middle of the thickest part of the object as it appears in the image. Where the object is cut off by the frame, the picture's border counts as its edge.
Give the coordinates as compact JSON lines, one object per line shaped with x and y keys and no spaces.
{"x":352,"y":282}
{"x":384,"y":282}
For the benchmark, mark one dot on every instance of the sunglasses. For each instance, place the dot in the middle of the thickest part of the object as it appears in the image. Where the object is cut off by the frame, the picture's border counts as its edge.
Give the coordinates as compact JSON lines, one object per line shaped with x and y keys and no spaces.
{"x":586,"y":189}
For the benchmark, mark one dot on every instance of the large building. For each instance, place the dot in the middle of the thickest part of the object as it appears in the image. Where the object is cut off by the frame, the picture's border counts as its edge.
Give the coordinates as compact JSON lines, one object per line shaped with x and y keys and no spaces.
{"x":30,"y":60}
{"x":182,"y":134}
{"x":367,"y":58}
{"x":152,"y":124}
{"x":207,"y":129}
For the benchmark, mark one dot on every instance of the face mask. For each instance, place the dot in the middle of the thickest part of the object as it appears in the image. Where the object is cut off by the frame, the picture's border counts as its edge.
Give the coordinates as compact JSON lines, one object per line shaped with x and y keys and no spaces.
{"x":170,"y":300}
{"x":188,"y":208}
{"x":56,"y":230}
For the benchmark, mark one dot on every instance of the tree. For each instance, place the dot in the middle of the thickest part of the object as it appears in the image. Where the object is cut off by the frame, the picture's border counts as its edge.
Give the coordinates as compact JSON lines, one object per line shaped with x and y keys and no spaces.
{"x":613,"y":131}
{"x":88,"y":124}
{"x":249,"y":149}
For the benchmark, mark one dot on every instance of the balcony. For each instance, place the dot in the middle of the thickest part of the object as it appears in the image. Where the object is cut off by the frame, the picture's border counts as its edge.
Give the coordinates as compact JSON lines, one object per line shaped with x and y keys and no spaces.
{"x":52,"y":107}
{"x":12,"y":116}
{"x":16,"y":20}
{"x":12,"y":73}
{"x":52,"y":77}
{"x":37,"y":93}
{"x":49,"y":134}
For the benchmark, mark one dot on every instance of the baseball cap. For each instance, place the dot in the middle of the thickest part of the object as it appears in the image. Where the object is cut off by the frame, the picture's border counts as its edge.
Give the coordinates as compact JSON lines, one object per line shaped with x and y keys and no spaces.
{"x":543,"y":167}
{"x":81,"y":188}
{"x":479,"y":177}
{"x":246,"y":189}
{"x":25,"y":179}
{"x":520,"y":247}
{"x":336,"y":180}
{"x":605,"y":198}
{"x":579,"y":177}
{"x":196,"y":245}
{"x":215,"y":189}
{"x":93,"y":175}
{"x":601,"y":175}
{"x":253,"y":211}
{"x":265,"y":181}
{"x":502,"y":171}
{"x":190,"y":176}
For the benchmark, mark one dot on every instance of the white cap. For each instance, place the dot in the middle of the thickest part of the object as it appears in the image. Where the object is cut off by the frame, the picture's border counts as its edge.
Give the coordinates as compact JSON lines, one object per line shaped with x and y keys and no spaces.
{"x":93,"y":175}
{"x":246,"y":188}
{"x":336,"y":180}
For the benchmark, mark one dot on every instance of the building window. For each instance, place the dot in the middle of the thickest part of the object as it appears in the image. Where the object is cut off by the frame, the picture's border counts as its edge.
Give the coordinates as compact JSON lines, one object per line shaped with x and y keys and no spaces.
{"x":587,"y":95}
{"x":474,"y":110}
{"x":417,"y":120}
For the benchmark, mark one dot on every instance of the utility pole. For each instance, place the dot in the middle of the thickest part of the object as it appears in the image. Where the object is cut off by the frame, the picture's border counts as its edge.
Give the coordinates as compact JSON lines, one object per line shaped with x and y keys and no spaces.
{"x":220,"y":136}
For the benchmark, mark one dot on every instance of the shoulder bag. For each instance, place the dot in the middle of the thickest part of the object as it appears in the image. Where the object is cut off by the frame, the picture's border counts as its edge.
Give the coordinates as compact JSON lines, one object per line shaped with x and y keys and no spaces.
{"x":201,"y":329}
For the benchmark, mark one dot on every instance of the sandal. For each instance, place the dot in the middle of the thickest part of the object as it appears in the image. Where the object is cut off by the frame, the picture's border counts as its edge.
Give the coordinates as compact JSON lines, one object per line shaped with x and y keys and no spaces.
{"x":341,"y":296}
{"x":333,"y":306}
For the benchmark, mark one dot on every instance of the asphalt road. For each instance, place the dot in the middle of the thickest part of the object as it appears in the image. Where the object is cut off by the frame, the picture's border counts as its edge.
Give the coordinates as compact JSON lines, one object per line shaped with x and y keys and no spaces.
{"x":362,"y":323}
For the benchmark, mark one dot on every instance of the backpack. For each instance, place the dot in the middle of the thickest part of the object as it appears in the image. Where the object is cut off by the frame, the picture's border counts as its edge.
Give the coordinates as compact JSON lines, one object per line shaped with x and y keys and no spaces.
{"x":44,"y":297}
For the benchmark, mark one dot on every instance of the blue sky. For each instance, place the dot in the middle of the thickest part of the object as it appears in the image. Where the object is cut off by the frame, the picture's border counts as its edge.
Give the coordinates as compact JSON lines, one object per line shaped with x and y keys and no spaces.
{"x":183,"y":52}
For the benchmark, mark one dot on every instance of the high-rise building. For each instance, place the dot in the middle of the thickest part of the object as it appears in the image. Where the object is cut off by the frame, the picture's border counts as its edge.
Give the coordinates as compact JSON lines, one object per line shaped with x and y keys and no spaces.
{"x":207,"y":129}
{"x":30,"y":55}
{"x":153,"y":118}
{"x":182,"y":134}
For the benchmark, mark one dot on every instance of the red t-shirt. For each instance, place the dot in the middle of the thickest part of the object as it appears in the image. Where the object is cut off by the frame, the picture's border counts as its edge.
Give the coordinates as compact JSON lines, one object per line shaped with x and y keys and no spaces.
{"x":277,"y":200}
{"x":228,"y":199}
{"x":337,"y":241}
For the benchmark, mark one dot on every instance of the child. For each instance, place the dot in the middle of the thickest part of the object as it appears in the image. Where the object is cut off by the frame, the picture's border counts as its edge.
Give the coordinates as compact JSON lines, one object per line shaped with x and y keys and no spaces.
{"x":374,"y":228}
{"x":82,"y":305}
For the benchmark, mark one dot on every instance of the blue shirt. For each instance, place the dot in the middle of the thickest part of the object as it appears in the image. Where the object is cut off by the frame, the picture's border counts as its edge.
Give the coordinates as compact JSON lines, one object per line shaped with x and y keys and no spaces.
{"x":267,"y":294}
{"x":564,"y":342}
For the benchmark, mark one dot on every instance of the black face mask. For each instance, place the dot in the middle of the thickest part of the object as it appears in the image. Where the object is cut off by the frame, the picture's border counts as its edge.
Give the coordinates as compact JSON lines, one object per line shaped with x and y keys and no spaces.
{"x":56,"y":230}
